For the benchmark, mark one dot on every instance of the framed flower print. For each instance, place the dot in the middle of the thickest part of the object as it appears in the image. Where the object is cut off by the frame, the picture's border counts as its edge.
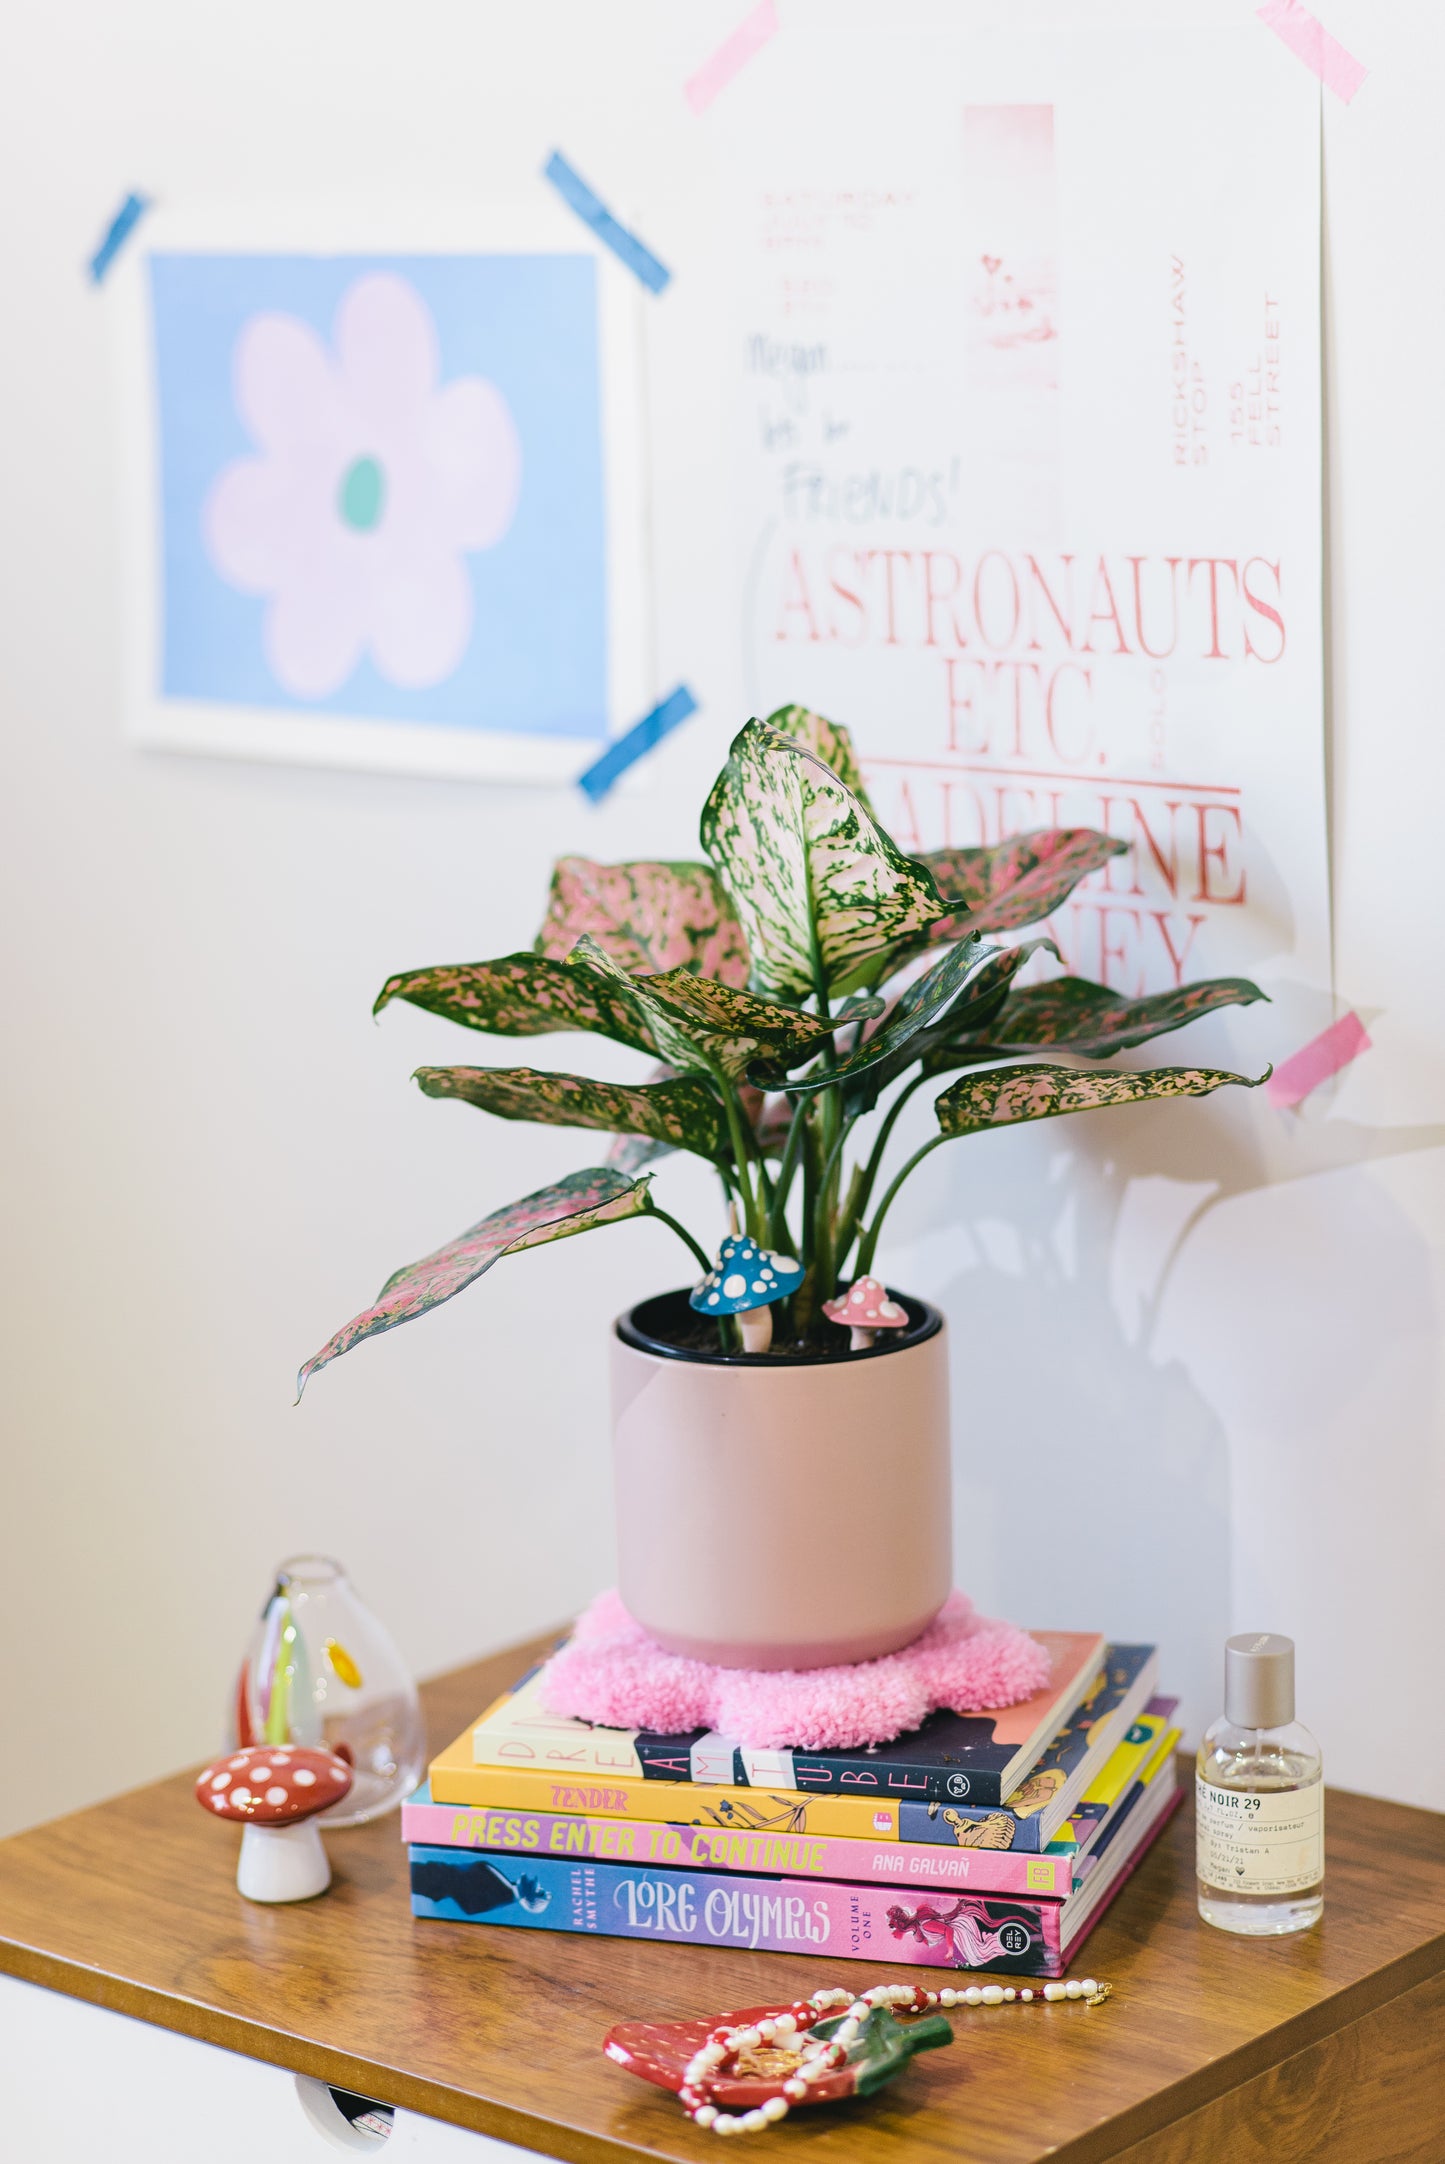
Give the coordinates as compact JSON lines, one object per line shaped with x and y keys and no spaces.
{"x":384,"y":492}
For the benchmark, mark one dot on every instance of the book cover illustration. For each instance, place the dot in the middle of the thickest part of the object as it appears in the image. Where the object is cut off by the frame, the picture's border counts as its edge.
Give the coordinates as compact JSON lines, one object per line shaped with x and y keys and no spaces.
{"x":1137,"y":1750}
{"x":951,"y":1755}
{"x":1028,"y":1818}
{"x":1138,"y":1801}
{"x":790,"y":1855}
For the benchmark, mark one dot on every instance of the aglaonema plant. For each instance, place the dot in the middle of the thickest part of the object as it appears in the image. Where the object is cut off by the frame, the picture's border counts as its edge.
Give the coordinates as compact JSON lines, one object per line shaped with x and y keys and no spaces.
{"x":792,"y":994}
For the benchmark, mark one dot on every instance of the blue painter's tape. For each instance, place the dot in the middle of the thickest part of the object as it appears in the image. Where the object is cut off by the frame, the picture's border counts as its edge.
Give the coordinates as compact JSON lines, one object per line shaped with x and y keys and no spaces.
{"x":118,"y":232}
{"x":624,"y":245}
{"x":640,"y":739}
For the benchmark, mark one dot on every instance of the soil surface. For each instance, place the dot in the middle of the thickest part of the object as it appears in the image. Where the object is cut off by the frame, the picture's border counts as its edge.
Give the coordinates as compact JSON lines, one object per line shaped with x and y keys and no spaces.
{"x":667,"y":1320}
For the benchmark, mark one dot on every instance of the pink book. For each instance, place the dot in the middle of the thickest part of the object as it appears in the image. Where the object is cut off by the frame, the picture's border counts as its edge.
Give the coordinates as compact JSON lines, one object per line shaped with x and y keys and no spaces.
{"x":717,"y":1848}
{"x":937,"y":1927}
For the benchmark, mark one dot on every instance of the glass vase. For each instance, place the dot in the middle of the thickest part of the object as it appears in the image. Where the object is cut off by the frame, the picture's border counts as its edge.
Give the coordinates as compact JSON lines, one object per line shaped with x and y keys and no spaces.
{"x":320,"y":1669}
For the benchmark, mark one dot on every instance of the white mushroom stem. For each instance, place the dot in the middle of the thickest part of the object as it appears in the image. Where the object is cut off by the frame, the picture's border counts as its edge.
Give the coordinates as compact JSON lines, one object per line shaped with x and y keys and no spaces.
{"x":756,"y":1324}
{"x":282,"y":1863}
{"x":860,"y":1339}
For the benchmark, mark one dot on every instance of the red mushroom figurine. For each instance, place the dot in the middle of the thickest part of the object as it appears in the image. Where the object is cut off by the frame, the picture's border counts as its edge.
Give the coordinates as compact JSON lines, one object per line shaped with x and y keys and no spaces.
{"x":275,"y":1791}
{"x":865,"y":1309}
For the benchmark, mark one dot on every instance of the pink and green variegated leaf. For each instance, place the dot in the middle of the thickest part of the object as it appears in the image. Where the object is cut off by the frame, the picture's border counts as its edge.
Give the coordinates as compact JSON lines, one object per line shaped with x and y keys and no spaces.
{"x":1003,"y":1096}
{"x":822,"y":893}
{"x":947,"y":1043}
{"x":926,"y":1002}
{"x":1018,"y":882}
{"x":699,"y":1026}
{"x":1089,"y":1019}
{"x":684,"y":1113}
{"x":826,"y":740}
{"x":526,"y":995}
{"x":599,"y":1196}
{"x":647,"y":917}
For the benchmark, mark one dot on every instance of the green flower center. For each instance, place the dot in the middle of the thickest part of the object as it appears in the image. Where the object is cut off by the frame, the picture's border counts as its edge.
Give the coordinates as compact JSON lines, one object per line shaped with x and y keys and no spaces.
{"x":362,"y":494}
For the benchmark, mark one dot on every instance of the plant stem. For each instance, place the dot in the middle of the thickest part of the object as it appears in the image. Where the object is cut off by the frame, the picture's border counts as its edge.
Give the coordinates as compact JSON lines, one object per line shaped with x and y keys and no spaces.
{"x":787,"y":1168}
{"x":859,"y":1200}
{"x":682,"y":1232}
{"x":765,"y":1182}
{"x":741,"y":1137}
{"x":854,"y":1204}
{"x":869,"y":1241}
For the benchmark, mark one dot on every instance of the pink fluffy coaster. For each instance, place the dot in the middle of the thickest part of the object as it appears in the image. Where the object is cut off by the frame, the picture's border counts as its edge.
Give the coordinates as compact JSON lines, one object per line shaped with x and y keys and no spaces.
{"x":612,"y":1673}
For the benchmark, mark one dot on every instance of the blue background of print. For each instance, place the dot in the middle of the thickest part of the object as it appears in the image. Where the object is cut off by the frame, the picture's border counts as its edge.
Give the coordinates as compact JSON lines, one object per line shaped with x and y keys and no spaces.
{"x":537,"y":657}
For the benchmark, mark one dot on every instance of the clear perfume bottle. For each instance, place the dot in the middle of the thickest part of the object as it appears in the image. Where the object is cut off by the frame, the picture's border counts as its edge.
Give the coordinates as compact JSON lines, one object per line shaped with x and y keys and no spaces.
{"x":1260,"y":1799}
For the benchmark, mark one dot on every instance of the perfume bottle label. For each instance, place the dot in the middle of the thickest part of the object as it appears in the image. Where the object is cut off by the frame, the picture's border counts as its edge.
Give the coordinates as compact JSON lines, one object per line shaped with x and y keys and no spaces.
{"x":1260,"y":1841}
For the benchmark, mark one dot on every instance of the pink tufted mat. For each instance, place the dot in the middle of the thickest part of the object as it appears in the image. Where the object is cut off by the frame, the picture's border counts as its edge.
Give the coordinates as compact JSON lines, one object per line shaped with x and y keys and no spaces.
{"x":612,"y":1673}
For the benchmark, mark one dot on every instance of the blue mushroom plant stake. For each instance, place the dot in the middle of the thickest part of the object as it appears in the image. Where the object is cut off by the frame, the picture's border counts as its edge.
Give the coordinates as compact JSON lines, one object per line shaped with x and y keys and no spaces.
{"x":744,"y":1281}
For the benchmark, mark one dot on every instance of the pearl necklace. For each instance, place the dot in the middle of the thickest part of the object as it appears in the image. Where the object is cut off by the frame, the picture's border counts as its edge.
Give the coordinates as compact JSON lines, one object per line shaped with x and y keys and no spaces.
{"x":818,"y":2056}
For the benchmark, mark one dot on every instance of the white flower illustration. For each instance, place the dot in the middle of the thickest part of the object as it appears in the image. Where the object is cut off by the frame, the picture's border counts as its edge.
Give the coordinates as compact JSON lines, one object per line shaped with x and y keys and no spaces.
{"x":372,"y":482}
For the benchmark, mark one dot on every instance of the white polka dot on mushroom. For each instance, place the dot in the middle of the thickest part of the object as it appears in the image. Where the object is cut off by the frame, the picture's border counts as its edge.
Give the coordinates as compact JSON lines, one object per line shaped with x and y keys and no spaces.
{"x":304,"y":1777}
{"x":734,"y":1286}
{"x":240,"y":1795}
{"x":220,"y":1780}
{"x":277,"y":1795}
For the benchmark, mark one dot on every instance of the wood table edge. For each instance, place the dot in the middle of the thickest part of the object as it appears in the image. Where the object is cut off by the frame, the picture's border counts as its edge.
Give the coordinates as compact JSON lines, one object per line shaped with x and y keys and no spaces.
{"x":1316,"y":2024}
{"x":1153,"y":2115}
{"x":295,"y":2054}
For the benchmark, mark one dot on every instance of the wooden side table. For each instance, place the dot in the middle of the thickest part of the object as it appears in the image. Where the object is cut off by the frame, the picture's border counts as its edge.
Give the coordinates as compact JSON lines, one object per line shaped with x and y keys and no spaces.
{"x":1329,"y":2048}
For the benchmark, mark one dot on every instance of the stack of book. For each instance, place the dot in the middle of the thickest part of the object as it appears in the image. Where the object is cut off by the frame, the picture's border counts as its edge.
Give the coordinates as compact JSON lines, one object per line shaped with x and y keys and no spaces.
{"x":982,"y":1840}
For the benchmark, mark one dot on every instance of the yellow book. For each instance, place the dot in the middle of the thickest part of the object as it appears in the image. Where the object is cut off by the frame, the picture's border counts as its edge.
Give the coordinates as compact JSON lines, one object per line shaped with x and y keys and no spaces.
{"x":456,"y":1778}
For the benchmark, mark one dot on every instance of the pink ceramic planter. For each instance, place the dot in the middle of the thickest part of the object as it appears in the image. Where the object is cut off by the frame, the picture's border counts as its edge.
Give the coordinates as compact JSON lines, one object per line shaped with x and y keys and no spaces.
{"x":781,"y":1514}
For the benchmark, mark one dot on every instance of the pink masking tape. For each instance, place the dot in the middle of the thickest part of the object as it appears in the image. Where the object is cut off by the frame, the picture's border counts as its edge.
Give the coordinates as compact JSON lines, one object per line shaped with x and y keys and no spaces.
{"x":714,"y":75}
{"x":1310,"y":42}
{"x":1315,"y":1062}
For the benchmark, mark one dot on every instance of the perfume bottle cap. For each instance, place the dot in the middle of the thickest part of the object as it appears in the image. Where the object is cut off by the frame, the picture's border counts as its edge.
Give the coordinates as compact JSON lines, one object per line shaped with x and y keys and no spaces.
{"x":1259,"y":1680}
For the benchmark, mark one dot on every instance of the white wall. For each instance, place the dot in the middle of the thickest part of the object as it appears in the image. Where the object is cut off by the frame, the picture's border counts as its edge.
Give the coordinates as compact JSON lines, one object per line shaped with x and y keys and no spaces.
{"x":212,"y":1156}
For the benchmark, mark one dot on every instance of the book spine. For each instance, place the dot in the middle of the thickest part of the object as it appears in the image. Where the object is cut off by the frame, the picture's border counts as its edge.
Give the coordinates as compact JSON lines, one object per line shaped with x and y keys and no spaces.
{"x":744,"y":1810}
{"x":1126,"y":1872}
{"x":941,"y":1930}
{"x":749,"y":1810}
{"x":841,"y":1776}
{"x":804,"y":1856}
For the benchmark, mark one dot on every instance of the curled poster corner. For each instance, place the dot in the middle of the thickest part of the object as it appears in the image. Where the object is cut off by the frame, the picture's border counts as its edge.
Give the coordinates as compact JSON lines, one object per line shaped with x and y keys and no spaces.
{"x":718,"y":71}
{"x":117,"y":233}
{"x":639,"y":739}
{"x":1310,"y":42}
{"x":1334,"y":1048}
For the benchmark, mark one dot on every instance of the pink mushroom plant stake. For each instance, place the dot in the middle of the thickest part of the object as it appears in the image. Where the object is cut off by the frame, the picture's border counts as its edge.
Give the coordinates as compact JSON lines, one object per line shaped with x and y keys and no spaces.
{"x":276,"y":1792}
{"x":864,"y":1309}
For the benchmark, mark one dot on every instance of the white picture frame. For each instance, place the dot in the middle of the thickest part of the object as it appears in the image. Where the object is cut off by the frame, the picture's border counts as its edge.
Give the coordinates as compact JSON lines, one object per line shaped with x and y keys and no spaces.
{"x":342,"y":731}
